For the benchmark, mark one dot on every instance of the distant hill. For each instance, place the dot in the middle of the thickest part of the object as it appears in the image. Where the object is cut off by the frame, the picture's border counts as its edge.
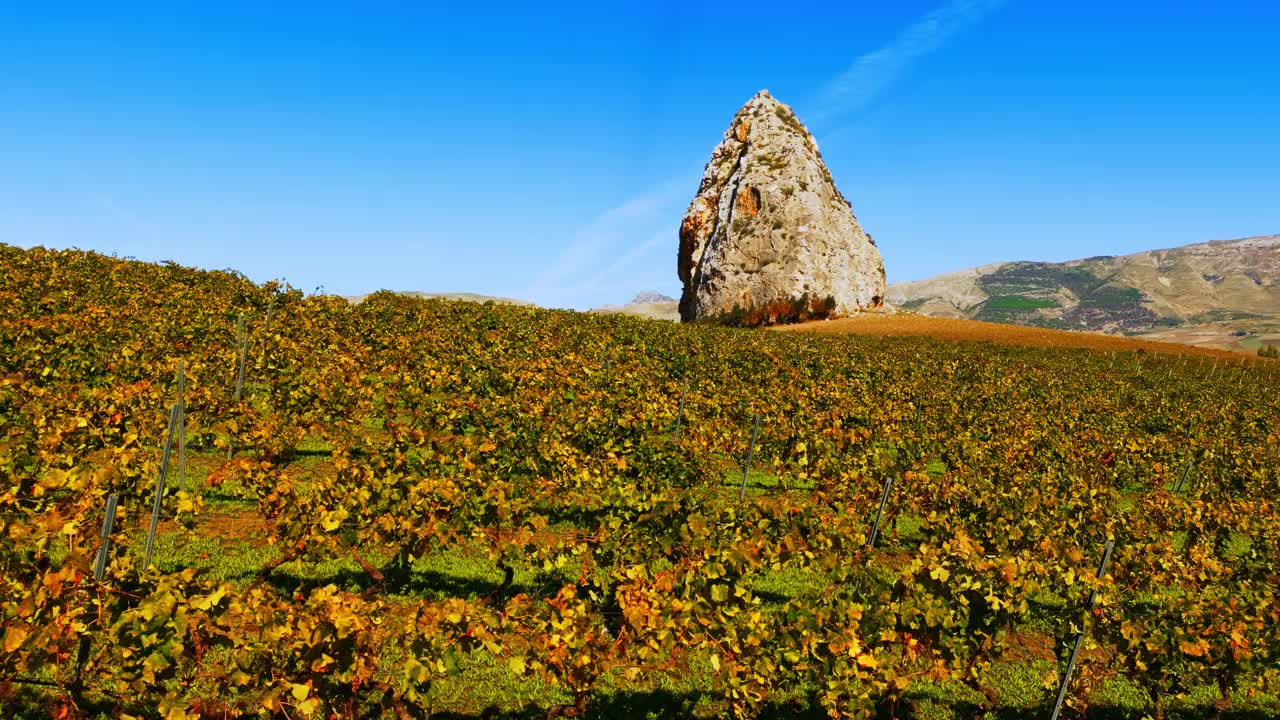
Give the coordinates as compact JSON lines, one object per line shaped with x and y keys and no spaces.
{"x":463,"y":297}
{"x":648,"y":304}
{"x":1221,"y":294}
{"x":651,"y":296}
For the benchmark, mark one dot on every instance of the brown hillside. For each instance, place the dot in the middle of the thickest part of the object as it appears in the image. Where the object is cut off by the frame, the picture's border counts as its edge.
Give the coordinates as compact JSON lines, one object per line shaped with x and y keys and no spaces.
{"x":907,"y":324}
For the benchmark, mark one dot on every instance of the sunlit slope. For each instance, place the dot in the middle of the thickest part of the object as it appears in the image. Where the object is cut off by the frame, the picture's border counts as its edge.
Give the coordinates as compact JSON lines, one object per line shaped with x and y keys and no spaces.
{"x":954,"y":329}
{"x":1156,"y":290}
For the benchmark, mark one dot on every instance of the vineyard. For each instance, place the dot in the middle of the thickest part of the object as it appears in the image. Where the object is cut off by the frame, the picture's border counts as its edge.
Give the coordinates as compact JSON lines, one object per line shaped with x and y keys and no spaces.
{"x":409,"y":508}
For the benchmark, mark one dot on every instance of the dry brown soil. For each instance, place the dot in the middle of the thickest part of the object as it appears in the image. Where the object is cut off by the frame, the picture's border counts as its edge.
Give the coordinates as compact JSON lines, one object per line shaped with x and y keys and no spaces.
{"x":911,"y":325}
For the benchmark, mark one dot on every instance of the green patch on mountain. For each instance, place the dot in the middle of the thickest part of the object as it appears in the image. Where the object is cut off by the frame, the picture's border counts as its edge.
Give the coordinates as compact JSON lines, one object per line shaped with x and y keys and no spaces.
{"x":1013,"y":308}
{"x":1017,"y":302}
{"x":1111,"y":296}
{"x":1023,"y":278}
{"x":1211,"y":316}
{"x":1020,"y":291}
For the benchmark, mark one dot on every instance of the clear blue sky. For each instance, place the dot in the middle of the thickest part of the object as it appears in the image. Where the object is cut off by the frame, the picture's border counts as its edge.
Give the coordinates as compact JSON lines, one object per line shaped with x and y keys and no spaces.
{"x":548,"y":153}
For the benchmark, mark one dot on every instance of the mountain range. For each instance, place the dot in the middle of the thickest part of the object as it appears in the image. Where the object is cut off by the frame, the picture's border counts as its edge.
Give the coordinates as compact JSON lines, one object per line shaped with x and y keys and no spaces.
{"x":1222,"y":293}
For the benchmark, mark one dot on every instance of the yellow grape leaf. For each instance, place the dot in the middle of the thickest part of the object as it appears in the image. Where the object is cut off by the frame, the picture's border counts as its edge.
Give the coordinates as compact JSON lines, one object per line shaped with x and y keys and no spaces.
{"x":299,"y":692}
{"x":867,"y":661}
{"x":308,"y":707}
{"x":715,"y":662}
{"x":333,"y":519}
{"x":208,"y":601}
{"x":14,"y":635}
{"x":186,"y":503}
{"x":941,"y":574}
{"x":1194,"y":649}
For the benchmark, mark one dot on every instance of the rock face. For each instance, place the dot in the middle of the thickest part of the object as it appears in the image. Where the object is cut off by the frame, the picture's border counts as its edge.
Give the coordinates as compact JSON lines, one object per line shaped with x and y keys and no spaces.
{"x":769,"y":238}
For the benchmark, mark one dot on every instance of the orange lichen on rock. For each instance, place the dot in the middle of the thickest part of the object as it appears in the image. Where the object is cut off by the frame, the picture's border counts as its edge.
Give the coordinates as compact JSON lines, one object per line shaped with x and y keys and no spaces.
{"x":698,"y":223}
{"x":749,"y":202}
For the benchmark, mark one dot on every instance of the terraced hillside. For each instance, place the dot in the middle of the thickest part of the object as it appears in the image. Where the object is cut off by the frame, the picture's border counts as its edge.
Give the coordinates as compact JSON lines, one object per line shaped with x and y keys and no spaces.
{"x":1225,"y":290}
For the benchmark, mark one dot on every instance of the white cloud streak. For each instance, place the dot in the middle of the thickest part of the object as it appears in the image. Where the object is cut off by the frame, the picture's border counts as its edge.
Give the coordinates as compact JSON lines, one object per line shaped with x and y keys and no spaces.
{"x":870,"y":74}
{"x":621,"y":233}
{"x":618,"y":274}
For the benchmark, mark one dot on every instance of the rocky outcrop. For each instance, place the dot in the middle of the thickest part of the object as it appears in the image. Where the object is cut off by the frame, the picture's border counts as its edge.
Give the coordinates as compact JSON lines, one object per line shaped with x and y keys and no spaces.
{"x":769,"y":238}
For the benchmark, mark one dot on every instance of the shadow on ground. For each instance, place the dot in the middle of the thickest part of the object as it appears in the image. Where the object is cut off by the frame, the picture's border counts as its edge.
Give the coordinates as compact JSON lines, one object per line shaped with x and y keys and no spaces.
{"x":665,"y":705}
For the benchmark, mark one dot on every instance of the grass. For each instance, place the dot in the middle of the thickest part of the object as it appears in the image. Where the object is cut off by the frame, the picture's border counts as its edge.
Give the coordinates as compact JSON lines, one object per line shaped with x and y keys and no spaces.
{"x":788,"y":584}
{"x":228,"y":560}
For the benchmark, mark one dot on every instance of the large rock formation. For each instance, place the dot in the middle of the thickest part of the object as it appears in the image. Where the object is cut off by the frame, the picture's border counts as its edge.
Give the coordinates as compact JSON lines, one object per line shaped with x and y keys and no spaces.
{"x":769,"y":238}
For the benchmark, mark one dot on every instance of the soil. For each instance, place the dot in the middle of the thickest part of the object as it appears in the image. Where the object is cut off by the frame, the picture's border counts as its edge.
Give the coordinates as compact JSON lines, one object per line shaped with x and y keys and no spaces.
{"x":913,"y":325}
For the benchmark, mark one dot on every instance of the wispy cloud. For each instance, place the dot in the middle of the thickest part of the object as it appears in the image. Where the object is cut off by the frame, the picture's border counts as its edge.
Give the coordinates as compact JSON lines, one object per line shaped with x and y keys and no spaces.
{"x":620,"y":276}
{"x":605,"y":244}
{"x":606,"y":253}
{"x":870,"y":74}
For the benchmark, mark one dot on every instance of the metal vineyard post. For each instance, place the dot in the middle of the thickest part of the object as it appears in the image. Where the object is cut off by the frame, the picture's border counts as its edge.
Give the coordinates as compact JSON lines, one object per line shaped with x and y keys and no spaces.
{"x":751,"y":449}
{"x":1075,"y":649}
{"x":155,"y":504}
{"x":684,"y":388}
{"x":104,"y":537}
{"x":1185,"y":474}
{"x":182,"y":426}
{"x":875,"y":526}
{"x":242,"y":339}
{"x":99,"y":571}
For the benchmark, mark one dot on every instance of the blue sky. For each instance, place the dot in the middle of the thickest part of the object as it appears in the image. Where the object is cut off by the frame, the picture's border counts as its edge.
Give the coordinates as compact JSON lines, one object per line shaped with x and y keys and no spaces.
{"x":548,"y":152}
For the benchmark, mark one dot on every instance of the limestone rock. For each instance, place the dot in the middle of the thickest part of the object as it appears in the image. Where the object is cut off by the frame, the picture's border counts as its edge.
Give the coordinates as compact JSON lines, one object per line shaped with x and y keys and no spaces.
{"x":768,"y":227}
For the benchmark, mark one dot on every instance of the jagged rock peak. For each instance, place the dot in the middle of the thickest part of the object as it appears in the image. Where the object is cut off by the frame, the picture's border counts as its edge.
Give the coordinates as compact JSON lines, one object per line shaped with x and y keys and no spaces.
{"x":769,"y":238}
{"x":650,"y":296}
